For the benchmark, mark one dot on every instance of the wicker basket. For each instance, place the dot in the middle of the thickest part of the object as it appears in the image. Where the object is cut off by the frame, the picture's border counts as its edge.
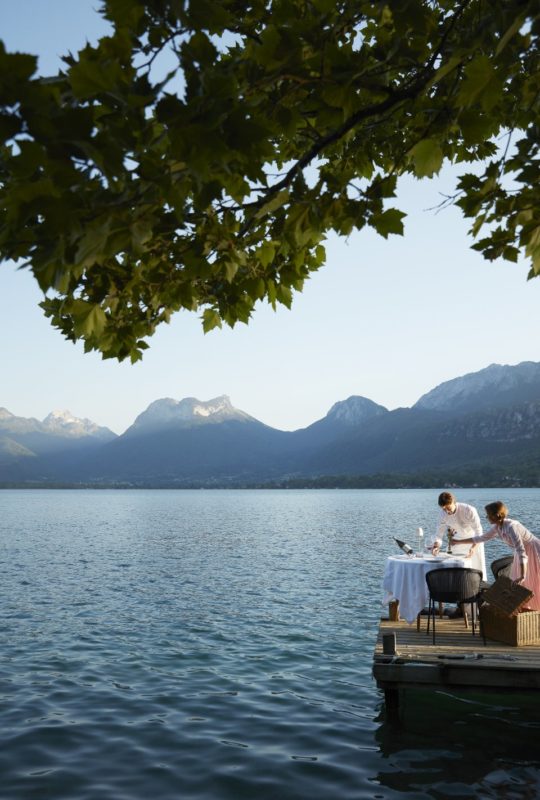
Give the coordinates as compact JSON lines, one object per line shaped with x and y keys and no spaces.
{"x":516,"y":630}
{"x":501,"y":617}
{"x":506,"y":596}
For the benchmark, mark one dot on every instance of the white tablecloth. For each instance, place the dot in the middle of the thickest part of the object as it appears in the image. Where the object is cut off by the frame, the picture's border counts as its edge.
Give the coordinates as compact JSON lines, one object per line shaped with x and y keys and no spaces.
{"x":405,"y":580}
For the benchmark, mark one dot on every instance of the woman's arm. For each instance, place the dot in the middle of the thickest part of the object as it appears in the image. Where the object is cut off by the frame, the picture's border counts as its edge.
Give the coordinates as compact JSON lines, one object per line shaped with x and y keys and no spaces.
{"x":484,"y":537}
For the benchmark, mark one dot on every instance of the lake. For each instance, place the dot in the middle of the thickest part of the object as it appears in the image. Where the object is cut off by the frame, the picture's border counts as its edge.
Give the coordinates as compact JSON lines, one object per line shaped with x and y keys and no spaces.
{"x":217,"y":645}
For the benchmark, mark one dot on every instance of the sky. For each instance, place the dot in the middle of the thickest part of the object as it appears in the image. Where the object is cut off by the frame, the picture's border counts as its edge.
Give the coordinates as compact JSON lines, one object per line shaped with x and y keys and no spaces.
{"x":385,"y":319}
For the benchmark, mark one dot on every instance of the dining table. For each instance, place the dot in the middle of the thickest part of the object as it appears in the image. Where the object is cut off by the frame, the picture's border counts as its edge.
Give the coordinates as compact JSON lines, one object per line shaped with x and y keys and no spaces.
{"x":404,"y":582}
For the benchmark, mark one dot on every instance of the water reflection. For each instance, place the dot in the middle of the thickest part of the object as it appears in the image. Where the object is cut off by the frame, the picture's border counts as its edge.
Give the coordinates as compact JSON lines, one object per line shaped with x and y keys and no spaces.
{"x":461,"y":745}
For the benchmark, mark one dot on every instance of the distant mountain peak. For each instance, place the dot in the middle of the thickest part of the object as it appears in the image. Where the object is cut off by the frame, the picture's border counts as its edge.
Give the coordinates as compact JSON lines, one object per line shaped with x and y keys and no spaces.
{"x":483,"y":420}
{"x":355,"y":410}
{"x":65,"y":423}
{"x":496,"y":385}
{"x":168,"y":412}
{"x":64,"y":417}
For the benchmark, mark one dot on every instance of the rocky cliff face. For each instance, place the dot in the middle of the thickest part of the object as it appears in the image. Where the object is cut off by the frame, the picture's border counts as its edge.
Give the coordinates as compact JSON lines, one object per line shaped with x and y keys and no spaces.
{"x":10,"y":423}
{"x":496,"y":385}
{"x":63,"y":423}
{"x":355,"y":410}
{"x":167,"y":413}
{"x":10,"y":450}
{"x":500,"y":425}
{"x":57,"y":423}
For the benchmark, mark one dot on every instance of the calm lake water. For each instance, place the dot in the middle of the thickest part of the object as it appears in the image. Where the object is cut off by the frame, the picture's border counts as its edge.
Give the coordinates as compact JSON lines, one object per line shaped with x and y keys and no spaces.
{"x":216,"y":645}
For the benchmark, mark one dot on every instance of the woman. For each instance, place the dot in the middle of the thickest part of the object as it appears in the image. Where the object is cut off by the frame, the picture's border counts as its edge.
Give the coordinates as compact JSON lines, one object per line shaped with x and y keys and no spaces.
{"x":526,"y":566}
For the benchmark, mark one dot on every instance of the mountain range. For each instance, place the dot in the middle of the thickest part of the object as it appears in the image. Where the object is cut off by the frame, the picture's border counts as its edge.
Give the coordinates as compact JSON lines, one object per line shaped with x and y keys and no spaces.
{"x":486,"y":420}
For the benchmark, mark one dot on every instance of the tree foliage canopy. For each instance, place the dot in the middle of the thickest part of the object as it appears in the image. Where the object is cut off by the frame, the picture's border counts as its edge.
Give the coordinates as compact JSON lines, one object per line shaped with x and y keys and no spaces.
{"x":132,"y":197}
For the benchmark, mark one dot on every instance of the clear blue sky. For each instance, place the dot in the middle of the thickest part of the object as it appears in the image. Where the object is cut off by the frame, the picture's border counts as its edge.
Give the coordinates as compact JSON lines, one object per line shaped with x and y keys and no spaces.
{"x":388,"y":320}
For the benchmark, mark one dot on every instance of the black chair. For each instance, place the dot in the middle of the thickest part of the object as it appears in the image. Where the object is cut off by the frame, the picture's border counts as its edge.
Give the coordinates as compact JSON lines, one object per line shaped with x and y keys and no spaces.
{"x":453,"y":585}
{"x":502,"y":566}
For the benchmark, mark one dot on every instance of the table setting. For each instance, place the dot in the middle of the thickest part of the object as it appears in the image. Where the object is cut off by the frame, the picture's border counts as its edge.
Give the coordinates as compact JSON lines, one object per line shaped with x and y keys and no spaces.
{"x":404,"y":579}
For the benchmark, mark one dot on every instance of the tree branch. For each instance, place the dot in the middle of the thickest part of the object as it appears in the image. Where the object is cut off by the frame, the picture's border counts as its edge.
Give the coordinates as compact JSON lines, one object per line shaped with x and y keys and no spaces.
{"x":394,"y":100}
{"x":160,"y":49}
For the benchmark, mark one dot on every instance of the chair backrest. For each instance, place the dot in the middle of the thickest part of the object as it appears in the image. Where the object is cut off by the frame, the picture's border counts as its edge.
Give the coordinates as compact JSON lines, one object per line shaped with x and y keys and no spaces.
{"x":453,"y":584}
{"x":502,"y":566}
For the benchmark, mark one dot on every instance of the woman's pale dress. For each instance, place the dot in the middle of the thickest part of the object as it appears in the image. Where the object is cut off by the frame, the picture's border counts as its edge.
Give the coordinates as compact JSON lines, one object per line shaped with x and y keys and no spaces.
{"x":526,"y":549}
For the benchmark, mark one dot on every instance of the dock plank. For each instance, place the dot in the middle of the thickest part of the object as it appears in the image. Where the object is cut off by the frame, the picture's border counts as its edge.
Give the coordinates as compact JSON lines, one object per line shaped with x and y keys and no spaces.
{"x":458,"y":659}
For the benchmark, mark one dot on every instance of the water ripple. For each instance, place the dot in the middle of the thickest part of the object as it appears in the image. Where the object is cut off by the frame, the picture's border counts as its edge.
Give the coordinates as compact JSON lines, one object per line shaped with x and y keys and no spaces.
{"x":216,"y":646}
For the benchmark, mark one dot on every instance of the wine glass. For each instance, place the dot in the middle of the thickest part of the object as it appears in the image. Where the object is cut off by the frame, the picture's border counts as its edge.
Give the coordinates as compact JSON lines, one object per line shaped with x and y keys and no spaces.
{"x":420,"y":533}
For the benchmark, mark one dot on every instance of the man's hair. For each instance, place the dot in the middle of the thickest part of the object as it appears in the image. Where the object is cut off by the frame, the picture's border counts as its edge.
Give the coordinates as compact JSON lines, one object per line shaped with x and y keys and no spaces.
{"x":445,"y":499}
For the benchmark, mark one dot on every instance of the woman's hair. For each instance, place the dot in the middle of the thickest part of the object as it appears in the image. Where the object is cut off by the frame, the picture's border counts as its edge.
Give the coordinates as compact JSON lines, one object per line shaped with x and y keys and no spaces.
{"x":497,"y":510}
{"x":445,"y":499}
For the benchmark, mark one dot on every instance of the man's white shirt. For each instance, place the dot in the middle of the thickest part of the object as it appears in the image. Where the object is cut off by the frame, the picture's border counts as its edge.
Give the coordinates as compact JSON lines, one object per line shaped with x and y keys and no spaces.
{"x":465,"y":523}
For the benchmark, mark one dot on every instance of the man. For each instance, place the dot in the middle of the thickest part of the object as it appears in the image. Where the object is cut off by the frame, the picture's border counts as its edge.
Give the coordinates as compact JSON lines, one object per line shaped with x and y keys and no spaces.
{"x":464,"y":522}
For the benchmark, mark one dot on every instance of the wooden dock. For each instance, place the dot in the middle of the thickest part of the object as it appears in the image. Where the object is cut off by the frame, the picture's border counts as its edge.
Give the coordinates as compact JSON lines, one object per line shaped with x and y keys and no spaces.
{"x":458,"y":661}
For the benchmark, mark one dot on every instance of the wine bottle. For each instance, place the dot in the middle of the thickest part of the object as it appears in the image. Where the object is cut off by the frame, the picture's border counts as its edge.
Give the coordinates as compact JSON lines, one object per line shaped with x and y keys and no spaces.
{"x":403,"y":546}
{"x":449,"y":533}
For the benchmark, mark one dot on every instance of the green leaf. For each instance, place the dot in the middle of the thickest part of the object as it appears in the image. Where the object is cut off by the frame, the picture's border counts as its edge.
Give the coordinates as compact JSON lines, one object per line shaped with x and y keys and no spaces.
{"x":274,"y":203}
{"x":386,"y":17}
{"x":141,"y":232}
{"x":90,"y":319}
{"x":512,"y":30}
{"x":10,"y":125}
{"x":475,"y":126}
{"x":320,"y":254}
{"x":87,"y":79}
{"x":14,"y":68}
{"x":324,"y":5}
{"x":478,"y":224}
{"x":427,"y":158}
{"x":209,"y":15}
{"x":535,"y":259}
{"x":477,"y":75}
{"x":271,"y":293}
{"x":135,"y":355}
{"x":445,"y":69}
{"x":200,"y":48}
{"x":124,"y":12}
{"x":336,"y":96}
{"x":231,"y":268}
{"x":390,"y":221}
{"x":284,"y":295}
{"x":211,"y":319}
{"x":532,"y":248}
{"x":94,"y":74}
{"x":93,"y":244}
{"x":266,"y":253}
{"x":511,"y":254}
